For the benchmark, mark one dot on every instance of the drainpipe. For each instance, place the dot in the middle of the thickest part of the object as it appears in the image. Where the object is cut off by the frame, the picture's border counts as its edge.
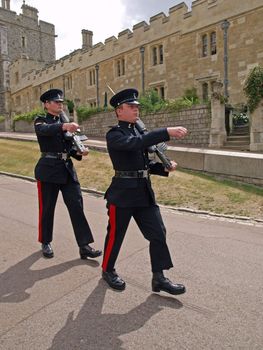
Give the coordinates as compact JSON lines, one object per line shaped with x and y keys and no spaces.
{"x":97,"y":84}
{"x":225,"y":25}
{"x":142,"y":49}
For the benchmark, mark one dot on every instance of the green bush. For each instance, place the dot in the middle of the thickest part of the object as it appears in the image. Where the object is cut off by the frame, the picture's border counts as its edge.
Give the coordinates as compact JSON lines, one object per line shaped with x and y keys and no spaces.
{"x":151,"y":102}
{"x":85,"y":112}
{"x":179,"y":104}
{"x":188,"y":100}
{"x":30,"y":116}
{"x":254,"y":87}
{"x":2,"y":119}
{"x":191,"y":95}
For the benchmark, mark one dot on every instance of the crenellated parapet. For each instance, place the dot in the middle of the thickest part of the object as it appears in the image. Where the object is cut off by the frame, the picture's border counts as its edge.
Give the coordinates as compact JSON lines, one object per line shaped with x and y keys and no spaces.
{"x":179,"y":20}
{"x":175,"y":36}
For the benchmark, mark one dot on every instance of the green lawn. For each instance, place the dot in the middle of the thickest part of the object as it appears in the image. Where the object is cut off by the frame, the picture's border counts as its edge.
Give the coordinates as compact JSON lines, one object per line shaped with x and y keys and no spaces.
{"x":181,"y":189}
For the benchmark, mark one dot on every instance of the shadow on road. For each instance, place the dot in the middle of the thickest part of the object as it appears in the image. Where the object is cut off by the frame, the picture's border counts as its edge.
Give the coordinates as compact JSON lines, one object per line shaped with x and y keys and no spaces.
{"x":18,"y":278}
{"x":92,"y":329}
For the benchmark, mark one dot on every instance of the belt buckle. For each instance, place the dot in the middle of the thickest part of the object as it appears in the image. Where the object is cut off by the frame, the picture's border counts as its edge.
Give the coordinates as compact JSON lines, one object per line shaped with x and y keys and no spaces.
{"x":140,"y":174}
{"x":64,"y":156}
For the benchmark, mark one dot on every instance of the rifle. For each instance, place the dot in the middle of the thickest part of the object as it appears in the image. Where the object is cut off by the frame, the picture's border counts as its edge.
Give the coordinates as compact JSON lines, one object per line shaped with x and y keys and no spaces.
{"x":76,"y":137}
{"x":157,"y":149}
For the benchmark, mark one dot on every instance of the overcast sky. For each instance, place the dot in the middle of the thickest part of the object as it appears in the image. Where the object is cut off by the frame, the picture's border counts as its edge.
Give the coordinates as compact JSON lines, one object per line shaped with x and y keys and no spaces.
{"x":104,"y":17}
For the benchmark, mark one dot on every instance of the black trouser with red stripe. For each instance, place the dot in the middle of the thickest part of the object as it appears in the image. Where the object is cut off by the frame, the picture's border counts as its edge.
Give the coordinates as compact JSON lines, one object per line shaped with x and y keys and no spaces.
{"x":150,"y":223}
{"x":71,"y":192}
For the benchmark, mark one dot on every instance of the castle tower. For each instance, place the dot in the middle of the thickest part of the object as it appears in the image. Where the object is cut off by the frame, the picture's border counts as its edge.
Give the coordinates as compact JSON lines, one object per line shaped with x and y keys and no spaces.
{"x":22,"y":36}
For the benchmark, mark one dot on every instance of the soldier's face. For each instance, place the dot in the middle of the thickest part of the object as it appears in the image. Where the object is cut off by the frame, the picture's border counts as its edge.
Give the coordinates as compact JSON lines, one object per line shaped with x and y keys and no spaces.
{"x":128,"y":113}
{"x":54,"y":107}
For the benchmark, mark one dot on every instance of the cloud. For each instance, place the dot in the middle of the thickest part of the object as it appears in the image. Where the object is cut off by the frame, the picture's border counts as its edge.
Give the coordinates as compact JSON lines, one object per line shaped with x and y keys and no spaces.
{"x":138,"y":10}
{"x":105,"y":18}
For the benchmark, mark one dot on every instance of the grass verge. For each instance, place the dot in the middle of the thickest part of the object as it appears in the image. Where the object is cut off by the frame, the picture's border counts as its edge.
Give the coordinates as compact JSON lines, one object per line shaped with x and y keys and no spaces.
{"x":182,"y":188}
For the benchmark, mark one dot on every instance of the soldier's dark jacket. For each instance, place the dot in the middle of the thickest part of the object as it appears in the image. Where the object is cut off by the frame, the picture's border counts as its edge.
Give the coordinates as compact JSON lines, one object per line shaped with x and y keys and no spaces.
{"x":128,"y":151}
{"x":51,"y":139}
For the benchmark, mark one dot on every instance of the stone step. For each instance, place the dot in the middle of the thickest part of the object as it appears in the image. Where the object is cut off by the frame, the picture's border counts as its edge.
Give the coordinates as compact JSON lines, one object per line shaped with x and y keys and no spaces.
{"x":236,"y":143}
{"x":240,"y":130}
{"x":238,"y":138}
{"x":236,"y":147}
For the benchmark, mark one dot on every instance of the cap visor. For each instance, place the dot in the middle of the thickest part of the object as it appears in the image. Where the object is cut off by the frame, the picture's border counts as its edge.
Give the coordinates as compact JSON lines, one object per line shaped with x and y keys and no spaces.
{"x":133,"y":103}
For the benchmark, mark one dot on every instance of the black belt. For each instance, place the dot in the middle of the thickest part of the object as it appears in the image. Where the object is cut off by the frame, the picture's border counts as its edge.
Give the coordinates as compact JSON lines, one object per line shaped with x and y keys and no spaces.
{"x":129,"y":174}
{"x":55,"y":155}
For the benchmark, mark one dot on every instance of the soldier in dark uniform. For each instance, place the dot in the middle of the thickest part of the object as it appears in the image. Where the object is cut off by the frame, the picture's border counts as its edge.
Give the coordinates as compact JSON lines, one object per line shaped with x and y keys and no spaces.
{"x":55,"y":172}
{"x":130,"y":193}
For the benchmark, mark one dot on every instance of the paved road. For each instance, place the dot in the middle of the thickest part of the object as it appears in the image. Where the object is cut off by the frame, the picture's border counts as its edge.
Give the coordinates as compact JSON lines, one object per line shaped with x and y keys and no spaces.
{"x":62,"y":303}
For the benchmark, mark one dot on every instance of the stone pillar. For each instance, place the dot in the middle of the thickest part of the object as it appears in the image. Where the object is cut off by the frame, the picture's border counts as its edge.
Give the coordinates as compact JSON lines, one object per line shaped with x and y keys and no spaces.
{"x":218,"y":130}
{"x":256,"y":129}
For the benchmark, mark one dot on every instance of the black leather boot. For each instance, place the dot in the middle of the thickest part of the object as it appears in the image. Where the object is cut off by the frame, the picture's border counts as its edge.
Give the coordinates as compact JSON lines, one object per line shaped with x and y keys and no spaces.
{"x":160,"y":282}
{"x":87,"y":251}
{"x":47,"y":250}
{"x":113,"y":280}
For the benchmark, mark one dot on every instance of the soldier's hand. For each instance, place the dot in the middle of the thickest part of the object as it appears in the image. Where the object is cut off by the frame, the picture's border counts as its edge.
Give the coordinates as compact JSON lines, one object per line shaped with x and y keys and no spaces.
{"x":177,"y":131}
{"x":86,"y":152}
{"x":71,"y":127}
{"x":173,"y":166}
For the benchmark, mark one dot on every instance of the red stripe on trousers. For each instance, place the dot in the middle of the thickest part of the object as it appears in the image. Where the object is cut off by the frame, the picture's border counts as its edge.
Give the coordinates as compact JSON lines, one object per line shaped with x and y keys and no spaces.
{"x":112,"y":222}
{"x":40,"y":202}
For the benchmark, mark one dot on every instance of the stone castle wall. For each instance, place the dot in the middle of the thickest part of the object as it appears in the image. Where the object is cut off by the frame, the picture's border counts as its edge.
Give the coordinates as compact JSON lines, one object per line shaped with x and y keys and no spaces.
{"x":183,"y":66}
{"x":179,"y":34}
{"x":197,"y":120}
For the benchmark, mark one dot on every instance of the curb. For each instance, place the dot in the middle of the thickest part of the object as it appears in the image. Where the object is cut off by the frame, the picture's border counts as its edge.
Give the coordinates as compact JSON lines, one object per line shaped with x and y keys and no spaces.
{"x":97,"y":193}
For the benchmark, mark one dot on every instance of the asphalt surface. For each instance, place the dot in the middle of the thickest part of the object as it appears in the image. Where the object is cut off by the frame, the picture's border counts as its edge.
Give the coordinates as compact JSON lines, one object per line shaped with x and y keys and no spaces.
{"x":62,"y":303}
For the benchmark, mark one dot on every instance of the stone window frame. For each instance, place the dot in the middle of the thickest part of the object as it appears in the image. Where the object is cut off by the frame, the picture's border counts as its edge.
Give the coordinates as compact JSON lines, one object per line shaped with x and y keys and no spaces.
{"x":213,"y":42}
{"x":68,"y":82}
{"x":18,"y":101}
{"x":204,"y":45}
{"x":120,"y":67}
{"x":92,"y":77}
{"x":17,"y":77}
{"x":208,"y":43}
{"x":23,"y":42}
{"x":160,"y":88}
{"x":93,"y":104}
{"x":28,"y":99}
{"x":209,"y":81}
{"x":205,"y":91}
{"x":157,"y":54}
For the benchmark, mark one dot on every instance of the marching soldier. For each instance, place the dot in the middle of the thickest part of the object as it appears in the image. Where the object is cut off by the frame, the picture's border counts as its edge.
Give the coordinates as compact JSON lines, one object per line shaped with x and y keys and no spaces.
{"x":55,"y":172}
{"x":130,"y":193}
